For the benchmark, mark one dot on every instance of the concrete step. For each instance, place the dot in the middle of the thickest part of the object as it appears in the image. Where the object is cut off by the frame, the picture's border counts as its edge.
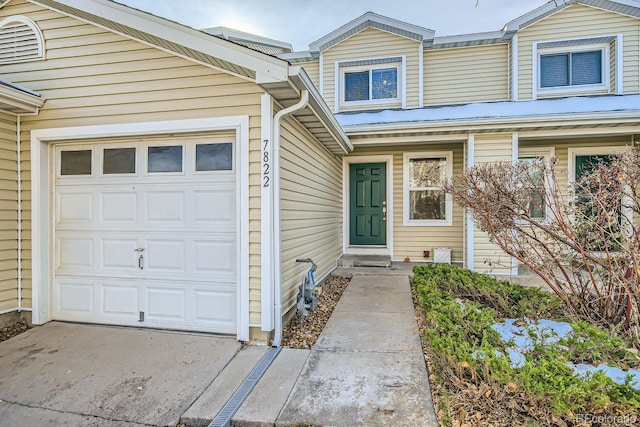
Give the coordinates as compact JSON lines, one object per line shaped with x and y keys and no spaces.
{"x":350,"y":261}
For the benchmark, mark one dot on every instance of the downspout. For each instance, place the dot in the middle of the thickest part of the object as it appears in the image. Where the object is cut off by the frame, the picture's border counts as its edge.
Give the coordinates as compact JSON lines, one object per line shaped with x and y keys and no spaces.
{"x":277,"y":267}
{"x":19,"y":228}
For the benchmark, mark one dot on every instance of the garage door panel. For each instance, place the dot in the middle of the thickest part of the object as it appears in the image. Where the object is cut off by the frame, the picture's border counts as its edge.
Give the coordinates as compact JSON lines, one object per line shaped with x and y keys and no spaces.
{"x":166,"y":255}
{"x":166,"y":304}
{"x":218,"y":307}
{"x":118,"y":254}
{"x":74,"y":253}
{"x":74,"y":208}
{"x":120,"y":301}
{"x":165,"y":206}
{"x":74,"y":298}
{"x":118,"y":207}
{"x":215,"y":256}
{"x":214,"y":206}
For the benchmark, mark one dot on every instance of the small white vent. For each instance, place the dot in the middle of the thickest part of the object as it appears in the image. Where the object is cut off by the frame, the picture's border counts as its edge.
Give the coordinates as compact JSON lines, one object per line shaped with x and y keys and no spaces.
{"x":20,"y":40}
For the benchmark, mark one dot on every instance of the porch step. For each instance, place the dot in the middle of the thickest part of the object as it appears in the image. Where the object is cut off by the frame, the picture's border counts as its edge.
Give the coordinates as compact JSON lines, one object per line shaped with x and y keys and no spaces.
{"x":351,"y":261}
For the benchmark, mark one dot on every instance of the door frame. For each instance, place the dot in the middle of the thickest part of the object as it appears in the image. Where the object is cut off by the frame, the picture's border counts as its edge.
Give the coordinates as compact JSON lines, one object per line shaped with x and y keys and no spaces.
{"x":367,"y":250}
{"x":42,"y":169}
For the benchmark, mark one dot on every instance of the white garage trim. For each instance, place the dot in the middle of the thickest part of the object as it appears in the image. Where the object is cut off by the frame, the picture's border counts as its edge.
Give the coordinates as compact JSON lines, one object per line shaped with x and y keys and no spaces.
{"x":41,"y":185}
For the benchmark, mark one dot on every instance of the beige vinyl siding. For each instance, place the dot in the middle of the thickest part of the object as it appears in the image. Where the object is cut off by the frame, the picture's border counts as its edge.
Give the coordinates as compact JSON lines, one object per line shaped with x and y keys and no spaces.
{"x":370,"y":44}
{"x":8,"y":214}
{"x":311,"y":207}
{"x":94,"y":77}
{"x":313,"y":70}
{"x":411,"y":241}
{"x":464,"y":75}
{"x":579,"y":22}
{"x":488,"y":257}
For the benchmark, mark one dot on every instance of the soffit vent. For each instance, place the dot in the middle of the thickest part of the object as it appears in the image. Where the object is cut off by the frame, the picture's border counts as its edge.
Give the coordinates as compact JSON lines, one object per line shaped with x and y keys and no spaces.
{"x":20,"y":40}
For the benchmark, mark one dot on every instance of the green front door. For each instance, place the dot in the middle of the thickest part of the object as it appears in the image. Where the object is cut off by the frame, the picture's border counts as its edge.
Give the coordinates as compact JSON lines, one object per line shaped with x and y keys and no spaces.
{"x":367,"y":204}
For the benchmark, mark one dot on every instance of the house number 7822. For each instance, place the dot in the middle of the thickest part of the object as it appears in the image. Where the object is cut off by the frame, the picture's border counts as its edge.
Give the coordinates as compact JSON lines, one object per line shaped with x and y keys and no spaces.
{"x":266,"y":164}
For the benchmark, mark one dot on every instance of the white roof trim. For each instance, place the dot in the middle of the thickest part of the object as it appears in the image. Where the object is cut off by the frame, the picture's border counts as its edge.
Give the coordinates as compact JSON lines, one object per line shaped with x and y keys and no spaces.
{"x":266,"y":67}
{"x":495,"y":112}
{"x":405,"y":29}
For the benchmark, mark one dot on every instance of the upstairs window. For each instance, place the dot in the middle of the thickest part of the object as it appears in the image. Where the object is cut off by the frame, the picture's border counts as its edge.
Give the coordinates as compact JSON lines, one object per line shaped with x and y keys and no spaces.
{"x":376,"y":81}
{"x":574,"y":66}
{"x":20,"y":40}
{"x":571,"y":69}
{"x":371,"y":84}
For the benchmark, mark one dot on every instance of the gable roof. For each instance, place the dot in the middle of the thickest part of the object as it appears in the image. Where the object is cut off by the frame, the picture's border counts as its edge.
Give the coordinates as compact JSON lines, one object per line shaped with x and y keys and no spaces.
{"x":622,"y":7}
{"x":372,"y":20}
{"x":283,"y":81}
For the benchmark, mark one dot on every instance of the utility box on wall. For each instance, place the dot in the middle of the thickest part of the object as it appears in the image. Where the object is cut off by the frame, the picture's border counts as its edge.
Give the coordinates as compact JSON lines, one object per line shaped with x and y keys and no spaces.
{"x":442,"y":255}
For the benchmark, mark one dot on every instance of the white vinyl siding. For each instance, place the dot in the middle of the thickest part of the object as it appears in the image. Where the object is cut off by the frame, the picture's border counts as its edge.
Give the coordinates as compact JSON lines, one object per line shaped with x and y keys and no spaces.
{"x":464,"y":75}
{"x":311,"y":207}
{"x":8,"y":214}
{"x":371,"y":43}
{"x":95,"y":77}
{"x":580,"y":22}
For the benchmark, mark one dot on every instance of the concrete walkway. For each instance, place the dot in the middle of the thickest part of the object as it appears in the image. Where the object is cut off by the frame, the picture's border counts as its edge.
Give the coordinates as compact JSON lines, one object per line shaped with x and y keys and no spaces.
{"x":367,"y":367}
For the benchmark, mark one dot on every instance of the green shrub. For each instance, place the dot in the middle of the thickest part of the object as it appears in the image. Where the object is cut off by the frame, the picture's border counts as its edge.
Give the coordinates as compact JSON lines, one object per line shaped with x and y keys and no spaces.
{"x":461,"y":306}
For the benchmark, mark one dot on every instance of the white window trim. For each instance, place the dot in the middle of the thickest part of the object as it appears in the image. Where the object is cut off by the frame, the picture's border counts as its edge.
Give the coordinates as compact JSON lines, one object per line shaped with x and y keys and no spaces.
{"x":340,"y":84}
{"x":546,"y":153}
{"x":407,"y":157}
{"x":606,"y":68}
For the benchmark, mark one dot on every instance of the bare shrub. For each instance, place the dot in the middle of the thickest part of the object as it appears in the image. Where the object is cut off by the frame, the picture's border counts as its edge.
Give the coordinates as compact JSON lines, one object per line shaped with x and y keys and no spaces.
{"x":583,"y":241}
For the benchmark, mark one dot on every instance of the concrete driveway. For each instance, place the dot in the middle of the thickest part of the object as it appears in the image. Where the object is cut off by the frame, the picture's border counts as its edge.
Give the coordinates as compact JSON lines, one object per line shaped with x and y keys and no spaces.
{"x":84,"y":375}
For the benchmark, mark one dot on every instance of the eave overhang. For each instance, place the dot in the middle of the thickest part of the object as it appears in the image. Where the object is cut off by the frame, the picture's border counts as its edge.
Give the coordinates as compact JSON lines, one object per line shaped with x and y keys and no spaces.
{"x":18,"y":100}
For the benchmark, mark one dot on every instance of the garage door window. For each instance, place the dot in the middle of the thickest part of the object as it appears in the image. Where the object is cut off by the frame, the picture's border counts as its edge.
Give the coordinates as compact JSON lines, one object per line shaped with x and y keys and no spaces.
{"x":166,"y":158}
{"x":76,"y":162}
{"x":214,"y":157}
{"x":119,"y":160}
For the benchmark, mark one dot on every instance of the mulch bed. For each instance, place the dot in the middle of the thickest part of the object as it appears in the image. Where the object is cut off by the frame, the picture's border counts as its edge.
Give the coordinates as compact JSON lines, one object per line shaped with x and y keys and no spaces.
{"x":13,"y":330}
{"x":295,"y":337}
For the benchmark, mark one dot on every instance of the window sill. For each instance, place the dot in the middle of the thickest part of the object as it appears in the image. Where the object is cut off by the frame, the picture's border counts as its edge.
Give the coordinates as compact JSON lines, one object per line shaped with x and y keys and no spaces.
{"x":427,"y":223}
{"x":563,"y":90}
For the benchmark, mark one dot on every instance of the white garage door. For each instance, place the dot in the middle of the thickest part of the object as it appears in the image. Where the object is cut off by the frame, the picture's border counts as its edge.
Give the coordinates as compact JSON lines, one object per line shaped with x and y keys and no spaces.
{"x":146,"y":234}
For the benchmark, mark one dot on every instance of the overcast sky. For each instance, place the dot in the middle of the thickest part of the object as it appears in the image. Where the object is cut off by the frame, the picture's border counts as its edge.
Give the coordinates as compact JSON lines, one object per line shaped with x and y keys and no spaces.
{"x":301,"y":22}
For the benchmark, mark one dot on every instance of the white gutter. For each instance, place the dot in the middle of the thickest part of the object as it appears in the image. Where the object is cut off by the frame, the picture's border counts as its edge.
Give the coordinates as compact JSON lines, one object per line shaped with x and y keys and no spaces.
{"x":276,"y":253}
{"x":18,"y":160}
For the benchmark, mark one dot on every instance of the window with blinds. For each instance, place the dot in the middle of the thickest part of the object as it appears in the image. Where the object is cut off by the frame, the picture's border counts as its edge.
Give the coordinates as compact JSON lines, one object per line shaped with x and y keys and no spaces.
{"x":573,"y":67}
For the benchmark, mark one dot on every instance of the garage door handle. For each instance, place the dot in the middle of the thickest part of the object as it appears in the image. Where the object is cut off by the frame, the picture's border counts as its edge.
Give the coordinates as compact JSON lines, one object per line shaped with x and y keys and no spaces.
{"x":140,"y":258}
